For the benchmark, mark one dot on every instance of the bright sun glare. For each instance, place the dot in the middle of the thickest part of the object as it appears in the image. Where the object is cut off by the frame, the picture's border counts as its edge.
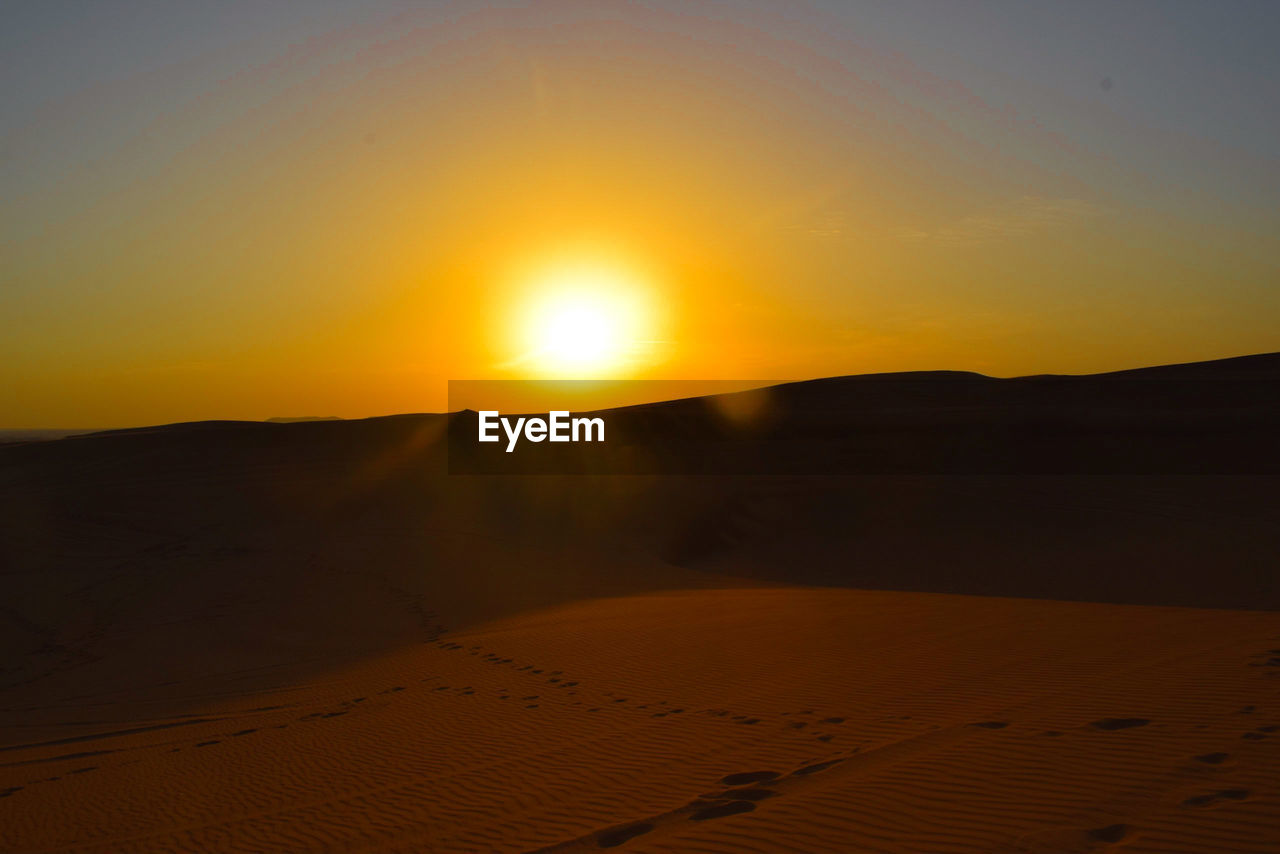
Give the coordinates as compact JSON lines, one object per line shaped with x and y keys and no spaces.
{"x":583,"y":323}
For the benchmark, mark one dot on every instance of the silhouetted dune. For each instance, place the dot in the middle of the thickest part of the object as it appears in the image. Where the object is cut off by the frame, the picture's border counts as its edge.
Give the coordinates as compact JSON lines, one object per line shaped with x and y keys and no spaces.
{"x":36,"y":435}
{"x":292,"y":419}
{"x":930,"y":513}
{"x":1206,"y":418}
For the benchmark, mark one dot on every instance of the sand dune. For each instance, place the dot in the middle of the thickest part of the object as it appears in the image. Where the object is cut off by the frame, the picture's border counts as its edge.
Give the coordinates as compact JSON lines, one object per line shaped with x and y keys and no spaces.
{"x":309,"y":637}
{"x":723,"y":720}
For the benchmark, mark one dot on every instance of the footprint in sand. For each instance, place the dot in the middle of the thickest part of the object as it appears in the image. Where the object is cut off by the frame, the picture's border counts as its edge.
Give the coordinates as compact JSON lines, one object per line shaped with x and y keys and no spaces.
{"x":722,"y":810}
{"x":815,"y":768}
{"x":1112,"y":833}
{"x":1112,"y":724}
{"x":748,"y":793}
{"x":621,"y":835}
{"x":1213,"y":758}
{"x":1216,"y":797}
{"x":1059,"y":840}
{"x":745,"y":778}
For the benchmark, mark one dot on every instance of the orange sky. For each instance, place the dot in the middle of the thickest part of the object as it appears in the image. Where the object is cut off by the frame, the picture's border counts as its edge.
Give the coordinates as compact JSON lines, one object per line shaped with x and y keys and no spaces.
{"x":336,"y":216}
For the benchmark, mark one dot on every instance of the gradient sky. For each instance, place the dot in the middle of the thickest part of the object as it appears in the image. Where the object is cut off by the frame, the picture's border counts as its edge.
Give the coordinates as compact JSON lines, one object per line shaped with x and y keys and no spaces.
{"x":254,"y":209}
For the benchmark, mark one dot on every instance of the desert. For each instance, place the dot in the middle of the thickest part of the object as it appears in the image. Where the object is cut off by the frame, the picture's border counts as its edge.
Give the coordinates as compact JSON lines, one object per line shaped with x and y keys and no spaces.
{"x":310,"y":636}
{"x":663,"y":426}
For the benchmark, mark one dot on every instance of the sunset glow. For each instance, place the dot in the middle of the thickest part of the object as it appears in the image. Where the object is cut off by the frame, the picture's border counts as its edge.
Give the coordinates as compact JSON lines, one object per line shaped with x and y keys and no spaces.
{"x":236,"y":211}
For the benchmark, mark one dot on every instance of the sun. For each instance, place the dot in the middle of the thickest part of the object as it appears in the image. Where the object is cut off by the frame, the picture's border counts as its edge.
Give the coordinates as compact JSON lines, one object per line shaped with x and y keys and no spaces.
{"x":582,"y":322}
{"x":578,"y":333}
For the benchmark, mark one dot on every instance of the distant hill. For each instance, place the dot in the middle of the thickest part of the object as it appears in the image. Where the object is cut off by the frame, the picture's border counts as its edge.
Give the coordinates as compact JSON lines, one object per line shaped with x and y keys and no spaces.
{"x":280,"y":419}
{"x":1218,"y":417}
{"x":29,"y":435}
{"x":1168,"y":499}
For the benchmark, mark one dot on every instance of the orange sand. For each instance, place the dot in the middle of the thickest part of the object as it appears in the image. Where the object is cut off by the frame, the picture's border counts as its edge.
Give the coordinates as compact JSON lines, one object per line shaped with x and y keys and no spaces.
{"x":869,"y":721}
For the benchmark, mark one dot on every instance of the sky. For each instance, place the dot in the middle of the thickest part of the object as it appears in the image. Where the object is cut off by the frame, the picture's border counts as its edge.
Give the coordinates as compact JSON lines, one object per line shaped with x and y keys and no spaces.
{"x":248,"y":209}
